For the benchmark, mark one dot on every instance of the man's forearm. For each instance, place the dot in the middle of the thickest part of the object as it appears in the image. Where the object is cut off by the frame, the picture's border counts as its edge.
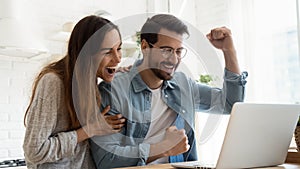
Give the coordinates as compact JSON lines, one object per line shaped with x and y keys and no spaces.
{"x":231,"y":62}
{"x":155,"y":152}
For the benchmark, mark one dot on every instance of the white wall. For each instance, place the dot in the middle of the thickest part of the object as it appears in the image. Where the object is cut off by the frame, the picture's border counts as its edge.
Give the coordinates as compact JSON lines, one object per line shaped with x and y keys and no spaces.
{"x":16,"y":76}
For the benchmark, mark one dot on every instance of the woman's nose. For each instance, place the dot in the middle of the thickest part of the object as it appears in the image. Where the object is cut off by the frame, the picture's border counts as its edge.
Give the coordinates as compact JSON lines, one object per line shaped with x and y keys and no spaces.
{"x":117,"y":55}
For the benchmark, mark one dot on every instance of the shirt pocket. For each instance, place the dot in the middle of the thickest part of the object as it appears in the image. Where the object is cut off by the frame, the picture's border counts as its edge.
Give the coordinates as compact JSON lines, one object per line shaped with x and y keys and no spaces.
{"x":135,"y":132}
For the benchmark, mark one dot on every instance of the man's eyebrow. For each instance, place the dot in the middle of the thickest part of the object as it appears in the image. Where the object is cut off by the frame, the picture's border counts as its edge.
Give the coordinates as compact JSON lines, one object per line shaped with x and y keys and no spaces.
{"x":170,"y":47}
{"x":165,"y":47}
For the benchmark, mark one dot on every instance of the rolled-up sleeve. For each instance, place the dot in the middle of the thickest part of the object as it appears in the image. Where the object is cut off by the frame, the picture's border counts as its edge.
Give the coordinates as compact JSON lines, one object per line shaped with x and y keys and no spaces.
{"x":239,"y":79}
{"x":234,"y":88}
{"x":109,"y":153}
{"x":215,"y":100}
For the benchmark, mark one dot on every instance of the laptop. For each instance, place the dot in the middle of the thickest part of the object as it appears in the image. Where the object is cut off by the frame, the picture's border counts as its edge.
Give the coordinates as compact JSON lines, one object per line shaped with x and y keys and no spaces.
{"x":257,"y":135}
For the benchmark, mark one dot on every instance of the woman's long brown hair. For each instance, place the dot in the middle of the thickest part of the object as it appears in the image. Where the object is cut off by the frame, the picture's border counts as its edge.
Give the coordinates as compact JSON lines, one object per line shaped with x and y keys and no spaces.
{"x":94,"y":27}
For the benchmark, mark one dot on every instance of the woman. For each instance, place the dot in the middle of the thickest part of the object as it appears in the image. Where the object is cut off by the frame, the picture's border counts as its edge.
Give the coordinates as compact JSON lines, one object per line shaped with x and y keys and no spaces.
{"x":64,"y":108}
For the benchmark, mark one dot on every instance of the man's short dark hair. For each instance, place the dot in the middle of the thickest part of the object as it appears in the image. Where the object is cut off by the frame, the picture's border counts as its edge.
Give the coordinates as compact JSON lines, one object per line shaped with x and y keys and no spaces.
{"x":154,"y":24}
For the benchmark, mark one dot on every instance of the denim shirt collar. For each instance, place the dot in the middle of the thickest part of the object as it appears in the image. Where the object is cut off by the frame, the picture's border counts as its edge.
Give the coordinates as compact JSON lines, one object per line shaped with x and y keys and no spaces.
{"x":138,"y":83}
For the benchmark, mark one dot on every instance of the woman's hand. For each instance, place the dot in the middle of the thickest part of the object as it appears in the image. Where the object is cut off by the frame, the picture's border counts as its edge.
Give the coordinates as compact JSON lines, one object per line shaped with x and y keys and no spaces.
{"x":124,"y":69}
{"x":101,"y":124}
{"x":115,"y":121}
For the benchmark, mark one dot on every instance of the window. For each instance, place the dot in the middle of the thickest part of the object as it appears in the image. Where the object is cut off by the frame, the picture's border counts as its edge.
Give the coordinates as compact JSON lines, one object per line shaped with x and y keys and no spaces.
{"x":269,"y":48}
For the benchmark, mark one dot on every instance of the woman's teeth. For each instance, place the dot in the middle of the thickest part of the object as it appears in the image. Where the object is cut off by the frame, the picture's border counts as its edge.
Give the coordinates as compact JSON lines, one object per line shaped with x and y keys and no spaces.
{"x":111,"y":70}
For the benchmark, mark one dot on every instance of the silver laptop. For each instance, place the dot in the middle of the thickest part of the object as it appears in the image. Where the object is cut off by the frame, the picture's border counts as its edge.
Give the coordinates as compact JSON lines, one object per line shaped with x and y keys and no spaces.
{"x":257,"y":135}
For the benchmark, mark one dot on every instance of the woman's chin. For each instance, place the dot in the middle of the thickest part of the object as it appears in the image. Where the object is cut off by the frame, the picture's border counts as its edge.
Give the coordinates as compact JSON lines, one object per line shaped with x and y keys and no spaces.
{"x":108,"y":79}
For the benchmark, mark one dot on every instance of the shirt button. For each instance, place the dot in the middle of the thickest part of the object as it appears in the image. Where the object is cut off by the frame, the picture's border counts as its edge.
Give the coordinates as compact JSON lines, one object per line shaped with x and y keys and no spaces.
{"x":183,"y":111}
{"x":166,"y":95}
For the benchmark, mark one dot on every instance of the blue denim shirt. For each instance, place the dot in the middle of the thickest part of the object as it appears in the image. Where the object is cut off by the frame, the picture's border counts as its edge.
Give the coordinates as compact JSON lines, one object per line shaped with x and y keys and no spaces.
{"x":129,"y":95}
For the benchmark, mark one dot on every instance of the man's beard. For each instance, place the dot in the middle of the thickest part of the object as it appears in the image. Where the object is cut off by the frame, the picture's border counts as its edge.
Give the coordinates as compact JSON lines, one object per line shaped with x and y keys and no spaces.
{"x":162,"y":74}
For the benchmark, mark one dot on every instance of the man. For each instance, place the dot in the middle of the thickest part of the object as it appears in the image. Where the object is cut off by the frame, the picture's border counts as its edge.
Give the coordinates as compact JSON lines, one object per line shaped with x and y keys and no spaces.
{"x":159,"y":103}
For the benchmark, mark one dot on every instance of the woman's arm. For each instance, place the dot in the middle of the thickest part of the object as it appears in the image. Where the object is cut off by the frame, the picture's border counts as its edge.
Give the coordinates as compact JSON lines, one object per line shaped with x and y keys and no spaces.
{"x":42,"y":142}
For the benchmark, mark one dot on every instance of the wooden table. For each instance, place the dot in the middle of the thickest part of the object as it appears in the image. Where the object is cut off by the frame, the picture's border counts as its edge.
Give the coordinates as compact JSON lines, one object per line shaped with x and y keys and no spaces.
{"x":168,"y":166}
{"x":293,"y":157}
{"x":292,"y":162}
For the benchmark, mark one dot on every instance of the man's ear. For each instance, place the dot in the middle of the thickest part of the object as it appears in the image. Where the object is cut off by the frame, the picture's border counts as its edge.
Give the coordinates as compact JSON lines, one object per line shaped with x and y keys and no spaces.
{"x":144,"y":44}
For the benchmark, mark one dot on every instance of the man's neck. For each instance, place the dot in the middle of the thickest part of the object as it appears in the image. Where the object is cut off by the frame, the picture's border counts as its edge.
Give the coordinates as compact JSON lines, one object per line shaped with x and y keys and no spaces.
{"x":151,"y":80}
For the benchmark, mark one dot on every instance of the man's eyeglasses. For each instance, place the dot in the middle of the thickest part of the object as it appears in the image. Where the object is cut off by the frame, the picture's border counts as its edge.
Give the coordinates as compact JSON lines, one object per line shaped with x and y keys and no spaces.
{"x":167,"y":52}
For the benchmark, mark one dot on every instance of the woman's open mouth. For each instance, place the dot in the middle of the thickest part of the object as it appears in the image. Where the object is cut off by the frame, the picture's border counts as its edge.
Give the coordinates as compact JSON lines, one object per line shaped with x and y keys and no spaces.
{"x":111,"y":70}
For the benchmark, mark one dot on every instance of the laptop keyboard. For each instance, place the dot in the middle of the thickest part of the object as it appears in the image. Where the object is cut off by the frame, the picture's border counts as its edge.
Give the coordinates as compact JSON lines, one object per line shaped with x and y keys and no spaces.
{"x":204,"y":166}
{"x":194,"y":164}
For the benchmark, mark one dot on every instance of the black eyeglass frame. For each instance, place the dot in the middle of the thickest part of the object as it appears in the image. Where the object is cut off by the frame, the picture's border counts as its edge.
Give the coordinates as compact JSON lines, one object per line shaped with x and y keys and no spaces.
{"x":167,"y":52}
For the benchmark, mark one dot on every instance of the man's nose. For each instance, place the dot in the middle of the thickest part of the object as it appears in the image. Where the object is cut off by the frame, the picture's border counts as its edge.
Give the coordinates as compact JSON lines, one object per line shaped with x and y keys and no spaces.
{"x":174,"y":57}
